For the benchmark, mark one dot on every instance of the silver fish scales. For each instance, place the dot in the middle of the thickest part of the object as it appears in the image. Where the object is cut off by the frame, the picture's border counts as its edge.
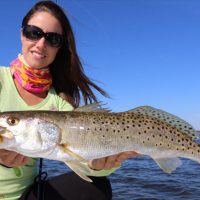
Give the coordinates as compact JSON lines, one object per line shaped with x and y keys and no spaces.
{"x":88,"y":133}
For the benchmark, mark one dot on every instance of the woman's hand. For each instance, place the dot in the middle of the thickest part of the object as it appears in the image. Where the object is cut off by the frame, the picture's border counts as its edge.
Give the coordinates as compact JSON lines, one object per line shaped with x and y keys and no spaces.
{"x":12,"y":159}
{"x":112,"y":161}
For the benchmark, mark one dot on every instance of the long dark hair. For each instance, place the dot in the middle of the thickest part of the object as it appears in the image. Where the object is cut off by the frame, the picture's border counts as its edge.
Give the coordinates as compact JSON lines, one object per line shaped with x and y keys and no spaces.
{"x":69,"y":79}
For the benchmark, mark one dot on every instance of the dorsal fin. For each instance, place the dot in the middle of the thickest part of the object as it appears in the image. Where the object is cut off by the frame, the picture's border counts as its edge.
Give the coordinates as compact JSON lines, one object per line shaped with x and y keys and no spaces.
{"x":168,"y":118}
{"x":196,"y":136}
{"x":94,"y":107}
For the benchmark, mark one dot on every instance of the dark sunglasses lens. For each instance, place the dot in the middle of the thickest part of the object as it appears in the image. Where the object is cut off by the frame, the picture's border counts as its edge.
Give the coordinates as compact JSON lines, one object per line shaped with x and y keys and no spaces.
{"x":32,"y":33}
{"x":35,"y":33}
{"x":54,"y":39}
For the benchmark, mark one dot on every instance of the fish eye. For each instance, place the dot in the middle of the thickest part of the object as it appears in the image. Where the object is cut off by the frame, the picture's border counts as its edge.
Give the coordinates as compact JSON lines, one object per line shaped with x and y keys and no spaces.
{"x":12,"y":121}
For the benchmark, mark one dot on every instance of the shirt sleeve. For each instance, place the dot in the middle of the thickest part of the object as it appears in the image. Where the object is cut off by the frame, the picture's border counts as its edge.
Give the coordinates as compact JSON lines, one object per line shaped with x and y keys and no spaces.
{"x":64,"y":105}
{"x":0,"y":84}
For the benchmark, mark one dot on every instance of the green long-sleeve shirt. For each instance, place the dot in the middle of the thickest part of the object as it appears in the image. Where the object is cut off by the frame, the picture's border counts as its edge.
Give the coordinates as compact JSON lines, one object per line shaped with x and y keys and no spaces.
{"x":13,"y":181}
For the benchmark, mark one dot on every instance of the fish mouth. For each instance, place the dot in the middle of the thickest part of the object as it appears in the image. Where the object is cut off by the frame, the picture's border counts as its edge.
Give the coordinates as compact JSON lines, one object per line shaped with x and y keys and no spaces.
{"x":2,"y":130}
{"x":5,"y":133}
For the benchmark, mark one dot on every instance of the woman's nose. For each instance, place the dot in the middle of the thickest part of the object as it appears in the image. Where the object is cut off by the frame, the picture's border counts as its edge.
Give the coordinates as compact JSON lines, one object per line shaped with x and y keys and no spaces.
{"x":41,"y":43}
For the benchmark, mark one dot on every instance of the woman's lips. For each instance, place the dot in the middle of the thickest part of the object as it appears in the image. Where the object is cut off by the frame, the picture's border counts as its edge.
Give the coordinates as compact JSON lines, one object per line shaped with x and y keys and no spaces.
{"x":38,"y":55}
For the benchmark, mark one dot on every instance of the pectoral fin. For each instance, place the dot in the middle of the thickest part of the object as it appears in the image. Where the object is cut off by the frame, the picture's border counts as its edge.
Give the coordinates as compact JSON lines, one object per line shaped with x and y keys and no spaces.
{"x":75,"y":156}
{"x":80,"y":169}
{"x":168,"y":165}
{"x":76,"y":164}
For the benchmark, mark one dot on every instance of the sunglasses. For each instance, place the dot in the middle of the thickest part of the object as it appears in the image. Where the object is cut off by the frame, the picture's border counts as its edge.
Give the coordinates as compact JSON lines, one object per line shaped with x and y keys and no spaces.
{"x":35,"y":33}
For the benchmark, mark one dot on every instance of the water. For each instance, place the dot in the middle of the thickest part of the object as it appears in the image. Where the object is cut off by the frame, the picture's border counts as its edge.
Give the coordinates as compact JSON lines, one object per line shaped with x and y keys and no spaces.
{"x":142,"y":179}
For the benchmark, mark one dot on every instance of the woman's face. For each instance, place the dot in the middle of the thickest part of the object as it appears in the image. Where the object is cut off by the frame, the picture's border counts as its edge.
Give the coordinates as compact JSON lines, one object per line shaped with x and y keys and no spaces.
{"x":40,"y":53}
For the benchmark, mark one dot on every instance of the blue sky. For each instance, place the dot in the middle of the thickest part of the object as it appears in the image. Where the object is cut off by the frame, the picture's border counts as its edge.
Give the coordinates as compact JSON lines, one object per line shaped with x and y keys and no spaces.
{"x":142,"y":52}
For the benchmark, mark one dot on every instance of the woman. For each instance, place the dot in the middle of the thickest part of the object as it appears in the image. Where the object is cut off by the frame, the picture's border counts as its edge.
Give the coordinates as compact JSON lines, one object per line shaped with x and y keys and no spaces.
{"x":48,"y":75}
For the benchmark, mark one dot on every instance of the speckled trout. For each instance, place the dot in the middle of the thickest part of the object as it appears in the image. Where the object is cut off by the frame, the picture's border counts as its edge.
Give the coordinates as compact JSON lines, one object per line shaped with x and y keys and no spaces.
{"x":90,"y":132}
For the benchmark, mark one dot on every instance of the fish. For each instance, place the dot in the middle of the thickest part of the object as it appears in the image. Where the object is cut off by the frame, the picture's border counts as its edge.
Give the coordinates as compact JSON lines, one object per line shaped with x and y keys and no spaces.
{"x":91,"y":132}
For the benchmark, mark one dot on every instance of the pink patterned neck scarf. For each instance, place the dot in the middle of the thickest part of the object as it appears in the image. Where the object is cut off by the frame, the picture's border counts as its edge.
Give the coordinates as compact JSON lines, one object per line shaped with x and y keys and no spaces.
{"x":32,"y":80}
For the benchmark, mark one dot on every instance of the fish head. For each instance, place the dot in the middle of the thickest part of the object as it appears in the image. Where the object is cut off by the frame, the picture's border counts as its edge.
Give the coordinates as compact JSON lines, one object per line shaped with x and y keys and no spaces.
{"x":12,"y":129}
{"x":30,"y":134}
{"x":11,"y":123}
